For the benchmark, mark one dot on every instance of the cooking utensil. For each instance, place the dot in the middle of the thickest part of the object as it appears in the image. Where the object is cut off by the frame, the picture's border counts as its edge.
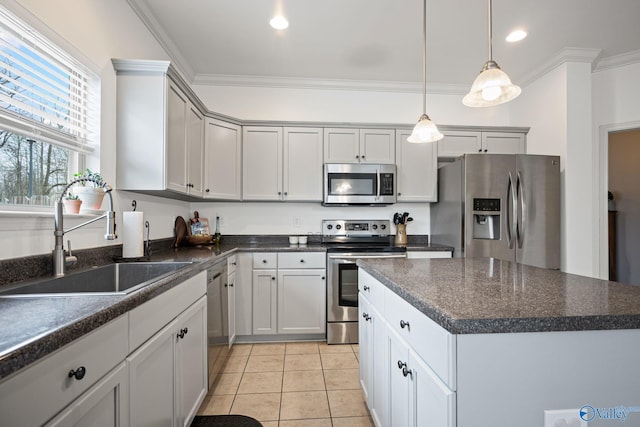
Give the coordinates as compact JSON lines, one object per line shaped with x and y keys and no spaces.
{"x":404,"y":218}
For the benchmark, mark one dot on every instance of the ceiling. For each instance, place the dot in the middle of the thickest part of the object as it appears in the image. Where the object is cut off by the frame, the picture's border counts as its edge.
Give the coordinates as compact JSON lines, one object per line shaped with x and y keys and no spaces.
{"x":379,"y":42}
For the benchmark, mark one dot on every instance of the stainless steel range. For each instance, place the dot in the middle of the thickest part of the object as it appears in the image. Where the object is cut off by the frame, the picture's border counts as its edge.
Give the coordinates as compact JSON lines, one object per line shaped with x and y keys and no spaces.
{"x":346,"y":241}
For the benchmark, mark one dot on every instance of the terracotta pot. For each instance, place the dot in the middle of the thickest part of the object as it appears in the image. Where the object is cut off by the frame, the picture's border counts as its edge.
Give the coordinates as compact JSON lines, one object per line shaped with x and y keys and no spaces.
{"x":91,"y":197}
{"x":72,"y":206}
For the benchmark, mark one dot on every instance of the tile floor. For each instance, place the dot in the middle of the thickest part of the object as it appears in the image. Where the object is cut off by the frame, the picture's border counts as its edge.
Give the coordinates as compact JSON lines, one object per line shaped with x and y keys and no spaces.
{"x":309,"y":384}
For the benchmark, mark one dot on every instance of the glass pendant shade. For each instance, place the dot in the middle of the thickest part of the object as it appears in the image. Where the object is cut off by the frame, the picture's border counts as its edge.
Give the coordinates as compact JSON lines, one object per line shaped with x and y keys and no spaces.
{"x":425,"y":131}
{"x":491,"y":87}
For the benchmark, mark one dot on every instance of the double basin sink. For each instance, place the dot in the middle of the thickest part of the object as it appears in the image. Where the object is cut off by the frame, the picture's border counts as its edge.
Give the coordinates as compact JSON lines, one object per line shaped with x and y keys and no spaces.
{"x":111,"y":279}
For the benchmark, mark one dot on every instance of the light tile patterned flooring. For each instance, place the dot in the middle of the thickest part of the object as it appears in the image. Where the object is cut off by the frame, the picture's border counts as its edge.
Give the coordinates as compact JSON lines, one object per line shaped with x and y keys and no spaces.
{"x":309,"y":384}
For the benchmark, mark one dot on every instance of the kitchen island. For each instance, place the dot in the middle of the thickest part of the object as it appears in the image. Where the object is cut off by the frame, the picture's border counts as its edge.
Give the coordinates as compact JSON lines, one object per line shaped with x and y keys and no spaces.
{"x":484,"y":342}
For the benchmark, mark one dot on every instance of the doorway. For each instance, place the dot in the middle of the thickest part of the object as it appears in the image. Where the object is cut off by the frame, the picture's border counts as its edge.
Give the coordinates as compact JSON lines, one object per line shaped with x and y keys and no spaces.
{"x":624,"y":209}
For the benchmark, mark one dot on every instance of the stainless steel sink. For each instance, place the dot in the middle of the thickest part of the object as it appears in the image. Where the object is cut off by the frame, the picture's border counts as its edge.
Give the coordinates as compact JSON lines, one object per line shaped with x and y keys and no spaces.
{"x":112,"y":279}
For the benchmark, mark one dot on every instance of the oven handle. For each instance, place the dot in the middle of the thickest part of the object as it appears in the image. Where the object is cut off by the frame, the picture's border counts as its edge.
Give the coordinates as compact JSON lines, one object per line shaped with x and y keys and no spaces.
{"x":366,"y":256}
{"x":377,"y":184}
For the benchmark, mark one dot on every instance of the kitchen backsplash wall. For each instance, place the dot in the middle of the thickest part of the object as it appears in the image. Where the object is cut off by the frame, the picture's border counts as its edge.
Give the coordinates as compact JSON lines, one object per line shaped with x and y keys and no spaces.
{"x":302,"y":218}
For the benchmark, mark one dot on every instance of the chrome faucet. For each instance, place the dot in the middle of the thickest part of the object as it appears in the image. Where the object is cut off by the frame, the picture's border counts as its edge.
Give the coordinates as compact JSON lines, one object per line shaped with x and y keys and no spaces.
{"x":60,"y":260}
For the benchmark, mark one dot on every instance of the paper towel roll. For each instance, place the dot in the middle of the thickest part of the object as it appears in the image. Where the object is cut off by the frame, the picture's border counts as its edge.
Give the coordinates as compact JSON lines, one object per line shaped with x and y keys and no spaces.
{"x":133,"y":234}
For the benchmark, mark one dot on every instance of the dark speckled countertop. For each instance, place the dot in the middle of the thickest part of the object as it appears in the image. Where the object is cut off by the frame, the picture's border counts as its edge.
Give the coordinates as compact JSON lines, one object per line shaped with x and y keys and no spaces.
{"x":33,"y":327}
{"x":484,"y":295}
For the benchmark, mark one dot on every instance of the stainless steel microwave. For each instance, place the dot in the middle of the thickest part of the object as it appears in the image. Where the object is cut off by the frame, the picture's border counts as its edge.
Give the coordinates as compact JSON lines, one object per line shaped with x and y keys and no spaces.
{"x":359,"y":184}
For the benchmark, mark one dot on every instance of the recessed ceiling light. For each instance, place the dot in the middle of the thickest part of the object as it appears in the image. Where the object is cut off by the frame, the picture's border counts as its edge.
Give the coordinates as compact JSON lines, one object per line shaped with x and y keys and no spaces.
{"x":279,"y":22}
{"x":516,"y":36}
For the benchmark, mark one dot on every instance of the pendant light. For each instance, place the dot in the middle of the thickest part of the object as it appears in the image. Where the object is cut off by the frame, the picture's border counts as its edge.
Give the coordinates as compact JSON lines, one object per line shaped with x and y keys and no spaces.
{"x":425,"y":130}
{"x":492,"y":86}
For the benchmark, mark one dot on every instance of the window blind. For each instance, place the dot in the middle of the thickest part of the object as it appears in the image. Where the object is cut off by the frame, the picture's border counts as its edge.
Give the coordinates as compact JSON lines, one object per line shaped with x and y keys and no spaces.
{"x":44,"y":93}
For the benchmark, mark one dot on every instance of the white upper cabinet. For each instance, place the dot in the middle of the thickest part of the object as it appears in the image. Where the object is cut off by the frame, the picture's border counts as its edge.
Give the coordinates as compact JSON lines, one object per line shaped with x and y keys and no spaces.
{"x":342,"y":145}
{"x":282,"y":164}
{"x":261,"y":163}
{"x":160,"y":131}
{"x":223,"y":161}
{"x":417,"y":171}
{"x":457,"y":143}
{"x":302,"y":175}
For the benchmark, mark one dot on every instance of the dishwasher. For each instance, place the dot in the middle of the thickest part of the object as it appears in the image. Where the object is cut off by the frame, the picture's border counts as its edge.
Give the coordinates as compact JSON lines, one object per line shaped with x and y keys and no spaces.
{"x":217,"y":319}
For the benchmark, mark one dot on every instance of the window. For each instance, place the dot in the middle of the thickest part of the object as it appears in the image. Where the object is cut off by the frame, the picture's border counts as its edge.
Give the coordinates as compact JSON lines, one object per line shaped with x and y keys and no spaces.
{"x":49,"y":115}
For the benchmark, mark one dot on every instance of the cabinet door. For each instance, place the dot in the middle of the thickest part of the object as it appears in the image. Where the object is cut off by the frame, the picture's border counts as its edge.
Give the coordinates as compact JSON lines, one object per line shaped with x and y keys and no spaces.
{"x":176,"y":149}
{"x":432,"y":403}
{"x":103,"y":405}
{"x":265,"y":290}
{"x":457,"y":143}
{"x":341,"y":145}
{"x":190,"y":361}
{"x":243,"y":288}
{"x":151,"y":381}
{"x":503,"y":143}
{"x":302,"y":164}
{"x":195,"y":150}
{"x":365,"y":349}
{"x":302,"y":301}
{"x":378,"y":397}
{"x":417,"y":170}
{"x":262,"y":163}
{"x":398,"y":390}
{"x":377,"y":146}
{"x":222,"y":160}
{"x":232,"y":307}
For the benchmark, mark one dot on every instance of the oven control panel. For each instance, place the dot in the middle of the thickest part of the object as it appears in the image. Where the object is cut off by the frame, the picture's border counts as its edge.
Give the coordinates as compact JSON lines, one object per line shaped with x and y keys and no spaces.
{"x":360,"y":228}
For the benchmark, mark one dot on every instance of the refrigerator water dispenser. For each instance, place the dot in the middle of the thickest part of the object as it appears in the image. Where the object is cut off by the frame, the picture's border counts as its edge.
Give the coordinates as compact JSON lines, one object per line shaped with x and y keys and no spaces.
{"x":486,"y":219}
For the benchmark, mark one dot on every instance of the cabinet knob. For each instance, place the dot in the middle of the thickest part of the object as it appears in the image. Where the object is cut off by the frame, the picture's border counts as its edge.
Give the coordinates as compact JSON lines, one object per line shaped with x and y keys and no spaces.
{"x":403,"y":324}
{"x":399,"y":194}
{"x":357,"y":157}
{"x":182,"y":333}
{"x":485,"y":150}
{"x":401,"y":364}
{"x":302,"y":260}
{"x":322,"y":278}
{"x":366,"y":316}
{"x":273,"y":278}
{"x":479,"y":150}
{"x":286,"y":193}
{"x":366,"y":288}
{"x":231,"y":285}
{"x":406,"y":372}
{"x":78,"y":373}
{"x":279,"y":193}
{"x":225,"y":285}
{"x":264,"y":261}
{"x":207,"y":190}
{"x":234,"y":263}
{"x":362,"y":157}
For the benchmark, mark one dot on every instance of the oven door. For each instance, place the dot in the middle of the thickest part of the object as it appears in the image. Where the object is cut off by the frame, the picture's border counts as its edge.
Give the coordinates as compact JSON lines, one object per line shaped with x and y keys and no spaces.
{"x":342,"y":287}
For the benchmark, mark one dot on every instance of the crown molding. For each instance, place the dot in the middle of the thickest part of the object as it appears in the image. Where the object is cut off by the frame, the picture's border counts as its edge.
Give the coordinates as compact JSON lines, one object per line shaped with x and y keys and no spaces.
{"x":567,"y":54}
{"x":616,"y":61}
{"x":325,"y":84}
{"x":154,"y":27}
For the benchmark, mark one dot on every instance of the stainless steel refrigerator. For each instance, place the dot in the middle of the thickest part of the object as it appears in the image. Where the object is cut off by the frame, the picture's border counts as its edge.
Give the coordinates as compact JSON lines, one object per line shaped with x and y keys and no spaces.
{"x":505,"y":206}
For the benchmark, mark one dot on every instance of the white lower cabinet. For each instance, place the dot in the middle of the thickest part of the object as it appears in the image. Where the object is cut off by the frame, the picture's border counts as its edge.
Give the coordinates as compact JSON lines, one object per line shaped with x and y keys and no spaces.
{"x":400,"y":387}
{"x":103,"y":405}
{"x":168,"y":373}
{"x":288,"y":293}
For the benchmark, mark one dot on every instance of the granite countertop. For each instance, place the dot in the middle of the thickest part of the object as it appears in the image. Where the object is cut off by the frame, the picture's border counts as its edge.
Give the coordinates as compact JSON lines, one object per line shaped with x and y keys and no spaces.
{"x":35,"y":326}
{"x":485,"y":295}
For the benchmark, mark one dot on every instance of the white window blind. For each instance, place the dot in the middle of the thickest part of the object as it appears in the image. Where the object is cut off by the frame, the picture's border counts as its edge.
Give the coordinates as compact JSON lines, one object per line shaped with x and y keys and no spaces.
{"x":44,"y":93}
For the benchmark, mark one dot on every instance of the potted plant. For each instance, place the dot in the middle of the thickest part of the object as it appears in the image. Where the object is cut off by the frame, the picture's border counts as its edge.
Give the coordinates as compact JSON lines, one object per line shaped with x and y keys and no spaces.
{"x":90,"y":191}
{"x":71,"y":203}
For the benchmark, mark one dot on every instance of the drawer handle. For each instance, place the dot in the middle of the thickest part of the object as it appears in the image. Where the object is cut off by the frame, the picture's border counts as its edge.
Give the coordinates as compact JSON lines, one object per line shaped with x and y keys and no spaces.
{"x":366,"y":288}
{"x":78,"y":373}
{"x":403,"y":324}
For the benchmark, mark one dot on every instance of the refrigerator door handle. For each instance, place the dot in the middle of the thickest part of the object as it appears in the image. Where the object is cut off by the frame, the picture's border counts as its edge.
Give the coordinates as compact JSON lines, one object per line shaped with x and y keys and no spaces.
{"x":522,"y":218}
{"x":510,"y":216}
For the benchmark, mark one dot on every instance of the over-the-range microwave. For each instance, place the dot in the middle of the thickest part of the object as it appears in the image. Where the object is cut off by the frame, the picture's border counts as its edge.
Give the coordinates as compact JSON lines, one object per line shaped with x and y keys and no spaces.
{"x":359,"y":184}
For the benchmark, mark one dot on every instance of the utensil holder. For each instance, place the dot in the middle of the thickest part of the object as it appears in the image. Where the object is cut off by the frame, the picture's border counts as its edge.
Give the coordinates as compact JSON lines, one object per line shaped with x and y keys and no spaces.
{"x":401,"y":235}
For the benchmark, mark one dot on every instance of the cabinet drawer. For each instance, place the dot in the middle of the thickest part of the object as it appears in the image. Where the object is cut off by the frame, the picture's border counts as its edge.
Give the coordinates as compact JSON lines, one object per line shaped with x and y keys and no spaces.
{"x":373,"y":289}
{"x":428,"y":254}
{"x":231,"y":264}
{"x":302,"y":260}
{"x":265,"y":260}
{"x":151,"y":316}
{"x":40,"y":391}
{"x":430,"y":341}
